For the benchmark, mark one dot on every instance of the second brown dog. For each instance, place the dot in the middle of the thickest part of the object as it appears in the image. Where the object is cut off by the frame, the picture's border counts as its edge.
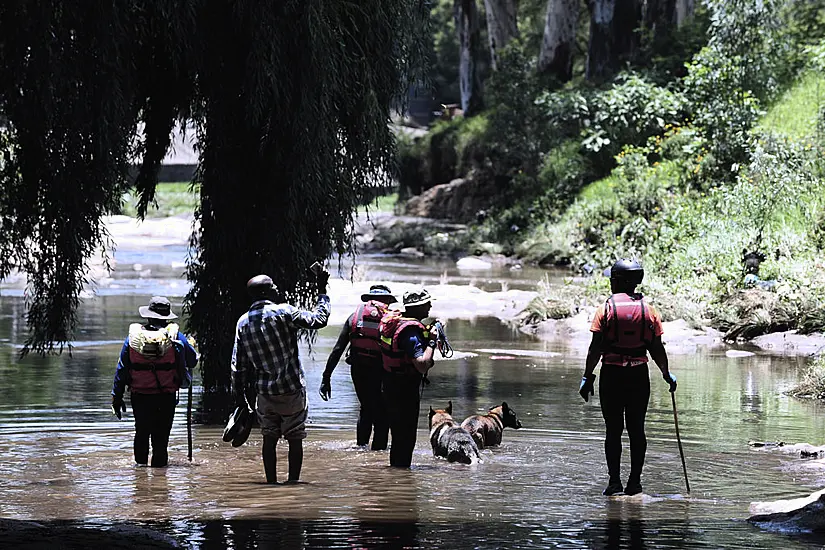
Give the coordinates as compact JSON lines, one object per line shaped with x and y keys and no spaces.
{"x":487,"y":429}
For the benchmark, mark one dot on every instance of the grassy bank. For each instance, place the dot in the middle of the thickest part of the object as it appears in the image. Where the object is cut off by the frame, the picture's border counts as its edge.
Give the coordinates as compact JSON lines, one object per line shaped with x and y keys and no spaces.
{"x":171,"y":199}
{"x":181,"y":198}
{"x":686,"y":173}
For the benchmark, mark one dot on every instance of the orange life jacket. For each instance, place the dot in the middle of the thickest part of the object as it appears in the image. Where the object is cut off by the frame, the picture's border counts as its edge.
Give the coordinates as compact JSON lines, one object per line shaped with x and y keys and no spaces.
{"x":390,"y":328}
{"x":364,"y":335}
{"x":154,"y":363}
{"x":628,"y":330}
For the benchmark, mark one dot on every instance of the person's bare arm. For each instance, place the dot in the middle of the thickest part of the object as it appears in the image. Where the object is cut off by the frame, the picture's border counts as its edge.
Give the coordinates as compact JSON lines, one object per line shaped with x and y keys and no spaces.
{"x":425,"y":362}
{"x":659,"y":355}
{"x":594,"y":354}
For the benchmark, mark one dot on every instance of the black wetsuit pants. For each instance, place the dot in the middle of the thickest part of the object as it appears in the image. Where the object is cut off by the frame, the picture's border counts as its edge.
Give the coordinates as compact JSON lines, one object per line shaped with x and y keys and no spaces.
{"x":402,"y":398}
{"x":373,"y":415}
{"x":624,"y":393}
{"x":153,"y":420}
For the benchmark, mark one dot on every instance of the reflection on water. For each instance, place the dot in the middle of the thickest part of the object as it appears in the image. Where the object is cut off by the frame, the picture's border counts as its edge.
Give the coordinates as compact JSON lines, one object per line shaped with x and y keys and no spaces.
{"x":66,"y":458}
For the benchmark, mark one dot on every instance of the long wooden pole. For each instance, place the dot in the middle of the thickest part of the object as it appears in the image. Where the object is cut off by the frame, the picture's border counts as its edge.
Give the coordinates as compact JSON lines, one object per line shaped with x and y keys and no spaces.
{"x":679,"y":439}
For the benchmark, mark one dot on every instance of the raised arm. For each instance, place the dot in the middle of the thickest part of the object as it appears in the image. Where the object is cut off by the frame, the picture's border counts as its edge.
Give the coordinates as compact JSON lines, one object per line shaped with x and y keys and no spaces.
{"x":313,"y":319}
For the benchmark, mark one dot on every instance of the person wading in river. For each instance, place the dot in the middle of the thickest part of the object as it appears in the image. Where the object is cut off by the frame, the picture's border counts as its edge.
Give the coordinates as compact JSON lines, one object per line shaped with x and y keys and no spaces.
{"x":155,"y":362}
{"x":624,"y":331}
{"x":407,"y":348}
{"x":265,"y":356}
{"x":361,"y":333}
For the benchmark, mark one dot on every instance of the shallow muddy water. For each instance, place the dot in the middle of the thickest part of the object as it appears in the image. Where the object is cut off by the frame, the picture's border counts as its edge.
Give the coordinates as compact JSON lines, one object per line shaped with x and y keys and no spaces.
{"x":65,"y":457}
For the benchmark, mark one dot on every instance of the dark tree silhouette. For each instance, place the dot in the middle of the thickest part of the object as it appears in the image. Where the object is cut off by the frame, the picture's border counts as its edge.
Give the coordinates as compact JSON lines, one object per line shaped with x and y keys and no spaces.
{"x":290,"y":100}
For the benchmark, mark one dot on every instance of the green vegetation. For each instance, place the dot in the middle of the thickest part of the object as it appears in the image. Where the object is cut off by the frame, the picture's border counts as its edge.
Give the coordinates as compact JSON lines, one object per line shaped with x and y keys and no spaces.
{"x":171,"y":199}
{"x":694,"y":154}
{"x":384,"y":203}
{"x":796,"y":114}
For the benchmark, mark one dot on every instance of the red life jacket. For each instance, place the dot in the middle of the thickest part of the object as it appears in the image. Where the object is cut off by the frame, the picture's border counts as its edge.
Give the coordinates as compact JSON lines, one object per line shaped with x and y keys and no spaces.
{"x":154,"y":363}
{"x":628,"y":330}
{"x":394,"y":358}
{"x":364,"y":335}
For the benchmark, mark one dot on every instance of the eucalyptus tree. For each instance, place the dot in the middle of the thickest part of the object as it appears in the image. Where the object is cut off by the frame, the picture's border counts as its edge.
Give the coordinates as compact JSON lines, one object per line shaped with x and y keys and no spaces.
{"x":613,"y":36}
{"x":290,"y":101}
{"x":502,"y":25}
{"x":468,"y":28}
{"x":559,"y":38}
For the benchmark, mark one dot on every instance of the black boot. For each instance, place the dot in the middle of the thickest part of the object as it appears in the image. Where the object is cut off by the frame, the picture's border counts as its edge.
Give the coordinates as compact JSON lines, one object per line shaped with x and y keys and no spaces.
{"x":269,"y":457}
{"x":296,"y":459}
{"x":634,"y":486}
{"x":614,"y":486}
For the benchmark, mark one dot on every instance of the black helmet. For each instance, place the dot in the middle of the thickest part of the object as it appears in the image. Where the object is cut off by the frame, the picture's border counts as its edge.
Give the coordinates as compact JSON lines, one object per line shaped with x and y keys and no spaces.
{"x":260,"y":286}
{"x":628,"y":271}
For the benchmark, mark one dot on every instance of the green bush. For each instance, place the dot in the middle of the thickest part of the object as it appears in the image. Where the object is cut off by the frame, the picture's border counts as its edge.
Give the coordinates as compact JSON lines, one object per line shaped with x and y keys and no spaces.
{"x":628,"y":113}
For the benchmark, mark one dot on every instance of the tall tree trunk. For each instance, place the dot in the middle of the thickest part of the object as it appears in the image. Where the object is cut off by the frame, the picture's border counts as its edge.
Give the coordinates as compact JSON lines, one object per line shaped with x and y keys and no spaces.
{"x":683,"y":11}
{"x":556,"y":56}
{"x":659,"y":17}
{"x":469,"y":38}
{"x":502,"y":25}
{"x":613,"y":37}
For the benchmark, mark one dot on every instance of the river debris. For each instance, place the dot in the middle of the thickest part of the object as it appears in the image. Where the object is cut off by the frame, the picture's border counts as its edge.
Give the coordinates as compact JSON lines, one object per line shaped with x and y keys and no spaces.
{"x":766,"y":443}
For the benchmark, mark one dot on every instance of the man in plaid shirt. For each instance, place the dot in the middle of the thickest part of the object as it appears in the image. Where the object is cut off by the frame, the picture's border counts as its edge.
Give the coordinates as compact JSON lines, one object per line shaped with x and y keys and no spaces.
{"x":266,"y":356}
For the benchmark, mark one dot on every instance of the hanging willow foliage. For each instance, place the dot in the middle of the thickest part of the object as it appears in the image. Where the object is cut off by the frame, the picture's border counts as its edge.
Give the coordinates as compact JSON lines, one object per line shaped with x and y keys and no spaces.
{"x":290,"y":100}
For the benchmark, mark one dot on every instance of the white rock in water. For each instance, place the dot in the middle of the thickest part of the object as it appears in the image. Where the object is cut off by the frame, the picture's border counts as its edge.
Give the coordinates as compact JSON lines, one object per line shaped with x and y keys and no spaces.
{"x":411,"y":252}
{"x":738,"y":353}
{"x":473,"y":263}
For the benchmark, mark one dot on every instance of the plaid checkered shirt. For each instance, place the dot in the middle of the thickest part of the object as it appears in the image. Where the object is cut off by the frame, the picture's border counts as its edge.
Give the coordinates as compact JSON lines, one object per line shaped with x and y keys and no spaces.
{"x":266,"y":346}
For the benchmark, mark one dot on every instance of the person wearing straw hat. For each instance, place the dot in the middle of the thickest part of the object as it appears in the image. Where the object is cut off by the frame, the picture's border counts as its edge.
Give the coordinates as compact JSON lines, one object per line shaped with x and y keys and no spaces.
{"x":265,"y":357}
{"x":360,"y":333}
{"x":407,"y":348}
{"x":155,"y":362}
{"x":624,"y":331}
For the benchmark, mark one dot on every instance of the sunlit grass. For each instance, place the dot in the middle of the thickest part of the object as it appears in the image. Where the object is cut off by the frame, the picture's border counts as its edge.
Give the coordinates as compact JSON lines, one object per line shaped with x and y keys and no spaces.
{"x":795,"y":113}
{"x":384,"y":203}
{"x":171,"y":199}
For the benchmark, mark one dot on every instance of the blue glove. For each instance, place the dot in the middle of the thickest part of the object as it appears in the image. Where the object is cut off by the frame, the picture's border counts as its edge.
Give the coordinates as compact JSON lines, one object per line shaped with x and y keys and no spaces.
{"x":670,"y":378}
{"x":586,"y":386}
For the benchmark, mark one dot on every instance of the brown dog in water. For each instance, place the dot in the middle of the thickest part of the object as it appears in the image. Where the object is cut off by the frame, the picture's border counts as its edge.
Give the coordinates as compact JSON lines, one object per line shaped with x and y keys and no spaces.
{"x":449,"y":439}
{"x":487,"y":429}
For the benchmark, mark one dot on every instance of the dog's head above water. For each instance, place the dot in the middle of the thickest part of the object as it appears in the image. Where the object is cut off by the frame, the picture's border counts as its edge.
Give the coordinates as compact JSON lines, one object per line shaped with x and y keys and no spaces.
{"x":439,"y":416}
{"x":508,"y":416}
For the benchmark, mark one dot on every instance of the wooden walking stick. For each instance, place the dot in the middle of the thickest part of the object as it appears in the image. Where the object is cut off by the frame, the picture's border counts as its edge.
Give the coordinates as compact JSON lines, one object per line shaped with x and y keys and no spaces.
{"x":679,"y":439}
{"x":189,"y":422}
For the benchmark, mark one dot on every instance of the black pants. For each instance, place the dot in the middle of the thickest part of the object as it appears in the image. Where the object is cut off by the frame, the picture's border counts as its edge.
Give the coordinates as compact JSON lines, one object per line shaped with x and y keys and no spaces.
{"x":402,"y":398}
{"x":153,"y":420}
{"x":624,"y":393}
{"x":373,"y":415}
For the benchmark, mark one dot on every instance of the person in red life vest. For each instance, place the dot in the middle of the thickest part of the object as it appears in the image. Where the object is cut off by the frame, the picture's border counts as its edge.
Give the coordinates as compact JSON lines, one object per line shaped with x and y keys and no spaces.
{"x":360,"y":332}
{"x":155,"y":362}
{"x":265,"y":358}
{"x":407,"y":348}
{"x":624,"y":331}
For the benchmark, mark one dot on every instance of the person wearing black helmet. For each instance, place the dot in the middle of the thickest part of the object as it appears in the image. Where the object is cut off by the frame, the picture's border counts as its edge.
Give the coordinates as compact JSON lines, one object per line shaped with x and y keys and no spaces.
{"x":360,"y":333}
{"x":265,"y":357}
{"x":624,"y":331}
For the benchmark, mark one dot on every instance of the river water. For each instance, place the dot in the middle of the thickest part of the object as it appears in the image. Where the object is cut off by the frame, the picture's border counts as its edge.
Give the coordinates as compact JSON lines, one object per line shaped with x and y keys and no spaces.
{"x":65,"y":457}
